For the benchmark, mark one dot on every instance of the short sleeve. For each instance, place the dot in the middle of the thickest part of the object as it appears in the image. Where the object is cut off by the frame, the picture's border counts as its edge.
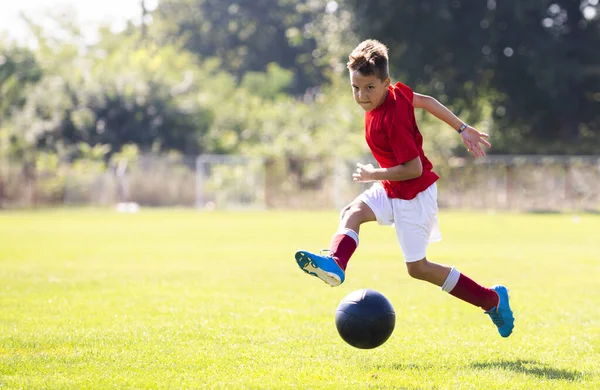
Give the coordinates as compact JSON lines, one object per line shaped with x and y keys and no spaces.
{"x":406,"y":91}
{"x":402,"y":141}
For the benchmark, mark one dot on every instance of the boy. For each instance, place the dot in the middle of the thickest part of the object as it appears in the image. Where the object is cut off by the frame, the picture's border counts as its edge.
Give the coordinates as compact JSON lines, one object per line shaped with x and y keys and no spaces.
{"x":405,"y":192}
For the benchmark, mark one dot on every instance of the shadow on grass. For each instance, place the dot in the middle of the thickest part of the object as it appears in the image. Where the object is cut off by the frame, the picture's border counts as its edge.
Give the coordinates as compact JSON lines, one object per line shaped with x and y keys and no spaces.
{"x":531,"y":367}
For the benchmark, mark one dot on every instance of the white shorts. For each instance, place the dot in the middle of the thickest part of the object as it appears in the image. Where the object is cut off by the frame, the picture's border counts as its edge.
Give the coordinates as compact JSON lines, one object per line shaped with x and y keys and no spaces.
{"x":415,"y":220}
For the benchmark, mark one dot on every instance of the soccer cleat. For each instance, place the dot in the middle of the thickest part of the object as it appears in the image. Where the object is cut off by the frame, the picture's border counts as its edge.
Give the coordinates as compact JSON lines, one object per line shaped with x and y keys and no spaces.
{"x":502,"y":315}
{"x":323,"y":267}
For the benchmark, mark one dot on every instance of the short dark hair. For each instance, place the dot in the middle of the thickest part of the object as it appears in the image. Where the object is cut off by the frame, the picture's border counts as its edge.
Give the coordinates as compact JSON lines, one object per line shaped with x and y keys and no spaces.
{"x":370,"y":57}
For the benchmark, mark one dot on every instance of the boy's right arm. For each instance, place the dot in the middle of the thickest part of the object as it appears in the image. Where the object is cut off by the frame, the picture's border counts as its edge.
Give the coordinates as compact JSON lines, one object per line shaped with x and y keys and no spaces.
{"x":406,"y":171}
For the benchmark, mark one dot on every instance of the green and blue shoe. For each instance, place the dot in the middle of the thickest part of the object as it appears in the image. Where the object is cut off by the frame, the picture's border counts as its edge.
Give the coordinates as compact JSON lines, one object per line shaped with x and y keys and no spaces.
{"x":323,"y":267}
{"x":502,"y":315}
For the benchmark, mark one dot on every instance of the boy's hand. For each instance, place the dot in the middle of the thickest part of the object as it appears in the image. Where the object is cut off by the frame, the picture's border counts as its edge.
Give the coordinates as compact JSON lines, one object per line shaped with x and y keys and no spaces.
{"x":473,"y":140}
{"x":364,"y":173}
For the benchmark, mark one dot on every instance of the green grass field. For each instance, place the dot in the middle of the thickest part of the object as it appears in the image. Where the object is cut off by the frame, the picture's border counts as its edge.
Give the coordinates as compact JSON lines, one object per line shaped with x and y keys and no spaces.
{"x":182,"y":299}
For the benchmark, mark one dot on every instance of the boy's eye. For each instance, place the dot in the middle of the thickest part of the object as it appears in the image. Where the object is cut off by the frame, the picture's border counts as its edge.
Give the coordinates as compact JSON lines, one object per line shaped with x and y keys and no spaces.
{"x":370,"y":87}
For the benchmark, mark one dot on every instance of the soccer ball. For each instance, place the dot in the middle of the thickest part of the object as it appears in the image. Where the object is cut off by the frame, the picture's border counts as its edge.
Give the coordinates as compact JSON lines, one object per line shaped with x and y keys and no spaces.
{"x":365,"y":319}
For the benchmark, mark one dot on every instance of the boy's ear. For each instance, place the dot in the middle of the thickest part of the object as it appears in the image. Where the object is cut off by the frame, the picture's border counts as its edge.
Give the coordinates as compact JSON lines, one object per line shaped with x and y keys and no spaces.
{"x":387,"y":81}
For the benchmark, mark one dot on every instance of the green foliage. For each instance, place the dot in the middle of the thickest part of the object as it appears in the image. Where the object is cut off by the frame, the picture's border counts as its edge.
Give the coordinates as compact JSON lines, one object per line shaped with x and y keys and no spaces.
{"x":246,"y":35}
{"x":18,"y":69}
{"x":130,"y":93}
{"x":267,"y":78}
{"x":128,"y":152}
{"x":547,"y":49}
{"x":534,"y":62}
{"x":268,"y":85}
{"x":281,"y":125}
{"x":50,"y":178}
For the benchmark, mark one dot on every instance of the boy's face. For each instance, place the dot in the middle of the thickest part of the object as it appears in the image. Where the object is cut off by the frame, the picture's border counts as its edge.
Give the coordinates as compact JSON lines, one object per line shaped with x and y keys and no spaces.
{"x":369,"y":91}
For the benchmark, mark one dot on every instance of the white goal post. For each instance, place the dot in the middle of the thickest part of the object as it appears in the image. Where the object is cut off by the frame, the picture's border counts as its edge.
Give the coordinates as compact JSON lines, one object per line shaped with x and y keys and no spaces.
{"x":230,"y":182}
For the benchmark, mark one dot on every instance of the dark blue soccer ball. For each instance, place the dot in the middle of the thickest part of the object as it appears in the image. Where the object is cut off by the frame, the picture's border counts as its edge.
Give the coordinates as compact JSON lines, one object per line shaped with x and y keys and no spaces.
{"x":365,"y":319}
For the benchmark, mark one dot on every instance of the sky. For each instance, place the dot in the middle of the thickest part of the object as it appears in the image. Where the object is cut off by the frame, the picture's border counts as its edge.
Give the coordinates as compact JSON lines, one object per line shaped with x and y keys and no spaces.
{"x":88,"y":14}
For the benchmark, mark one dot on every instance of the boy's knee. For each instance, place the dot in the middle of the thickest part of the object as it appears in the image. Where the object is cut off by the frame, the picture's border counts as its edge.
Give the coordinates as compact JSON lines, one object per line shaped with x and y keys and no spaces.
{"x":354,"y":211}
{"x":418,"y":269}
{"x":345,"y":211}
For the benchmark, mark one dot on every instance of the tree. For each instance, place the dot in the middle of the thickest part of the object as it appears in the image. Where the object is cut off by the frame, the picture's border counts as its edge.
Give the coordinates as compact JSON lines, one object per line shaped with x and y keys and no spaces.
{"x":18,"y":69}
{"x":246,"y":35}
{"x":545,"y":75}
{"x":116,"y":94}
{"x":533,"y":62}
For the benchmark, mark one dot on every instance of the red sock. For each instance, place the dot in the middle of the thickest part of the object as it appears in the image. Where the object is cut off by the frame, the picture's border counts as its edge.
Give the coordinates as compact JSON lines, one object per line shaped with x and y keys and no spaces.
{"x":474,"y":293}
{"x":342,"y":247}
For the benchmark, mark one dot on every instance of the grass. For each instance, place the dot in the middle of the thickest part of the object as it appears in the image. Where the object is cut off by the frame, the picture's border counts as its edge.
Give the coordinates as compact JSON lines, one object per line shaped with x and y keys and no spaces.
{"x":182,"y":299}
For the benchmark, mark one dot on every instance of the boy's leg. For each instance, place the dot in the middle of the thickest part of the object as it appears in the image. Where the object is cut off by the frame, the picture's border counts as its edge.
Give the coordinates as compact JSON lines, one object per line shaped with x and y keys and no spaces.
{"x":369,"y":206}
{"x":453,"y":282}
{"x":331,"y":268}
{"x":416,"y":226}
{"x":345,"y":240}
{"x":493,"y":300}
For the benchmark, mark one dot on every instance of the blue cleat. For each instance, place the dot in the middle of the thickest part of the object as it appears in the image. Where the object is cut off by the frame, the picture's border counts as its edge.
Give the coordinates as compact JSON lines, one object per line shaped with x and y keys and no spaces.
{"x":323,"y":267}
{"x":502,"y":315}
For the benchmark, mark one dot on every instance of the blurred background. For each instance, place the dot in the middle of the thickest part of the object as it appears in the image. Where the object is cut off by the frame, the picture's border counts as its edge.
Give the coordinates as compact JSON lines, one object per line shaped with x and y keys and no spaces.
{"x":216,"y":104}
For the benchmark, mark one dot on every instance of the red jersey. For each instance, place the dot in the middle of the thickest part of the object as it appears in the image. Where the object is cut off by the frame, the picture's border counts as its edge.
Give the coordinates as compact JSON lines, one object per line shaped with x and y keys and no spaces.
{"x":394,"y":138}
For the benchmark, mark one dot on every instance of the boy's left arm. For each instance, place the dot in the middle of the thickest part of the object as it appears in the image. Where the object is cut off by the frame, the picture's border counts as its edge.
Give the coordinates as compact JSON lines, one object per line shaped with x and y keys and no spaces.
{"x":472,"y":138}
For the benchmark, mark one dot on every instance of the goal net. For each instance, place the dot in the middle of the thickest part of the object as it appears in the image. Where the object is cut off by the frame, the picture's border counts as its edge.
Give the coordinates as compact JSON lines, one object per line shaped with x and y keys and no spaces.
{"x":229,"y":182}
